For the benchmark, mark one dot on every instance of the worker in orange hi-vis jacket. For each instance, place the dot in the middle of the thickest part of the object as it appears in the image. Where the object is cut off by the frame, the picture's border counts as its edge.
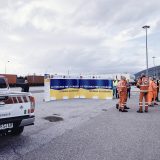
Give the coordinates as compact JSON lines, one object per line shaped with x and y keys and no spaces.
{"x":150,"y":91}
{"x":154,"y":92}
{"x":122,"y":91}
{"x":143,"y":85}
{"x":126,"y":96}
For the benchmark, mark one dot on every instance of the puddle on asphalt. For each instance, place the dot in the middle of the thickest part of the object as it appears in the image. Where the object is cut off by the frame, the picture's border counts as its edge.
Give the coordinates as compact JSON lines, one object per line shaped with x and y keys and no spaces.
{"x":53,"y":118}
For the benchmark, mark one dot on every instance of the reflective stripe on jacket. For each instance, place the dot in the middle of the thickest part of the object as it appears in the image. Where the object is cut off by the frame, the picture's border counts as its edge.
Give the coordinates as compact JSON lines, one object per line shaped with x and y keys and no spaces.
{"x":143,"y":83}
{"x":151,"y":84}
{"x":122,"y":86}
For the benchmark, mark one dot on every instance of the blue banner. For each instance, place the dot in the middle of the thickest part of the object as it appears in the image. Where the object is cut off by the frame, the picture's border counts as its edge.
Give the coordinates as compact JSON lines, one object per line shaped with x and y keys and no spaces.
{"x":96,"y":84}
{"x":59,"y":84}
{"x":80,"y":88}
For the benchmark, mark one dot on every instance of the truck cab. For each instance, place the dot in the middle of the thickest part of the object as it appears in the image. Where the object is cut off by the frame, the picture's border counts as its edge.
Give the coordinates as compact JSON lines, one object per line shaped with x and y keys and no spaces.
{"x":16,"y":109}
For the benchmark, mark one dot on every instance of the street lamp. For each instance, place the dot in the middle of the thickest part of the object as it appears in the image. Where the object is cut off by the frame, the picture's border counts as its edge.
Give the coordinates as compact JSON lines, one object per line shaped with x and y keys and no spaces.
{"x":6,"y":66}
{"x":146,"y":27}
{"x":154,"y":66}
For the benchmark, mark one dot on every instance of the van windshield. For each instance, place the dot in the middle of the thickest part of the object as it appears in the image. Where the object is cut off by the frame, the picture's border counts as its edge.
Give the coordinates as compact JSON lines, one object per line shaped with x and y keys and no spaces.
{"x":3,"y":83}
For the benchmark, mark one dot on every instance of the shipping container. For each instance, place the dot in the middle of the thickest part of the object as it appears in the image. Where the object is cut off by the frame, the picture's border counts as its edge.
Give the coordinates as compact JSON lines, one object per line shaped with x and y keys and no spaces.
{"x":35,"y":80}
{"x":12,"y":78}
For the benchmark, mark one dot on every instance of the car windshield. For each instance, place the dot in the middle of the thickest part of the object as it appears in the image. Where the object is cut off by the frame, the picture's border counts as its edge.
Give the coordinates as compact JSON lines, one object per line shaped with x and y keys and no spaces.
{"x":3,"y":83}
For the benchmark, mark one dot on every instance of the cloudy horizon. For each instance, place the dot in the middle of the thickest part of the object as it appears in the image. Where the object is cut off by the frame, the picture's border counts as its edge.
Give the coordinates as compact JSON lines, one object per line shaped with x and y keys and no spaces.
{"x":98,"y":36}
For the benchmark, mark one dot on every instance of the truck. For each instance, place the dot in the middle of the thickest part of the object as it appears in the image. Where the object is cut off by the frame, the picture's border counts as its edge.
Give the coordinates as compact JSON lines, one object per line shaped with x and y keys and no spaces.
{"x":16,"y":109}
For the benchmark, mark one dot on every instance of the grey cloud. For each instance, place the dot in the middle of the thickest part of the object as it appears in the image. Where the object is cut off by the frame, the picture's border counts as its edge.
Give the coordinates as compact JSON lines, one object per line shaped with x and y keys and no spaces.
{"x":99,"y":36}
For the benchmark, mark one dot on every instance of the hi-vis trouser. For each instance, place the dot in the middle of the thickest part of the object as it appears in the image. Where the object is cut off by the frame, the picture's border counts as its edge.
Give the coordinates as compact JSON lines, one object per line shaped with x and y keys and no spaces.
{"x":126,"y":96}
{"x":141,"y":96}
{"x":154,"y":95}
{"x":150,"y":97}
{"x":122,"y":99}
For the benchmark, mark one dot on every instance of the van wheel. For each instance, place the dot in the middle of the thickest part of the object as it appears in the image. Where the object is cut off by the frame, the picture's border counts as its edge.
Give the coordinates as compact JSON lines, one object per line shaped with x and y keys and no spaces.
{"x":17,"y":131}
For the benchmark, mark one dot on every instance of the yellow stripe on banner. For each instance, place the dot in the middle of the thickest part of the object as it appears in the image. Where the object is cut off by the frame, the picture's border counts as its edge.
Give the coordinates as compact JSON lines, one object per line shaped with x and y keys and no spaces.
{"x":70,"y":93}
{"x":64,"y":93}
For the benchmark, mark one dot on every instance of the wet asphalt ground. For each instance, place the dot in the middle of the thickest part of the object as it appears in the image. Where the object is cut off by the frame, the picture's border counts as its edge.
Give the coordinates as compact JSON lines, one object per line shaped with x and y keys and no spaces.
{"x":88,"y":130}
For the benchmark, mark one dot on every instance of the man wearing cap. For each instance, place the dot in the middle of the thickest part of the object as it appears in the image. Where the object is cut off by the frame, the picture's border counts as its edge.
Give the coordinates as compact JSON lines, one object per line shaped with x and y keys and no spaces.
{"x":143,"y":85}
{"x":122,"y":91}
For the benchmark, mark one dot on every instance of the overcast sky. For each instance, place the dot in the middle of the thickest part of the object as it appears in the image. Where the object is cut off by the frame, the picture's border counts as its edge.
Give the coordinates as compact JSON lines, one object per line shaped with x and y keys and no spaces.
{"x":82,"y":36}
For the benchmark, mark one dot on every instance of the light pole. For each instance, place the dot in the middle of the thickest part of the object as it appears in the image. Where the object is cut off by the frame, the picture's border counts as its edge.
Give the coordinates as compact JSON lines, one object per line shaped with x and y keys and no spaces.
{"x":155,"y":74}
{"x":6,"y":66}
{"x":146,"y":27}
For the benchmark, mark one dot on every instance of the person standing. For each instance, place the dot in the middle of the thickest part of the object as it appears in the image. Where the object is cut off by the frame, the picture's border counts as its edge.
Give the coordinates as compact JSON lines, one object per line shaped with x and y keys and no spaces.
{"x":158,"y":87}
{"x":122,"y":91}
{"x":155,"y":92}
{"x":128,"y":89}
{"x":117,"y":95}
{"x":115,"y":82}
{"x":143,"y":85}
{"x":25,"y":87}
{"x":150,"y":92}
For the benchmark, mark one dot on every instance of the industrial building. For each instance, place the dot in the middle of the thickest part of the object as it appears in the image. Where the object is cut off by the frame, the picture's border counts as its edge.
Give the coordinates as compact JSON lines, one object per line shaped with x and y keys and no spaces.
{"x":153,"y":71}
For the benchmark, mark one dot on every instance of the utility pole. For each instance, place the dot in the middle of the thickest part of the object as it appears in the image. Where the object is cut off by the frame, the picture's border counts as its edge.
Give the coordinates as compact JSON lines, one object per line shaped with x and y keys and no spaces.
{"x":6,"y":66}
{"x":146,"y":27}
{"x":155,"y":74}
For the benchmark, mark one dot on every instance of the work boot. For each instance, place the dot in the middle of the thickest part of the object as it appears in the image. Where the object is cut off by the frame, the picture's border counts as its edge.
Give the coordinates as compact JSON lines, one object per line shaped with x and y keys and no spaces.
{"x":120,"y":110}
{"x":146,"y":111}
{"x":139,"y":111}
{"x":117,"y":106}
{"x":125,"y":107}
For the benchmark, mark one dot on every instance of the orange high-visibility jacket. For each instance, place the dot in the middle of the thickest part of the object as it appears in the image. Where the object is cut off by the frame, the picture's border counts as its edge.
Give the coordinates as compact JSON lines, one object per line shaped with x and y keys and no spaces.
{"x":143,"y":84}
{"x":151,"y":86}
{"x":122,"y":86}
{"x":155,"y":86}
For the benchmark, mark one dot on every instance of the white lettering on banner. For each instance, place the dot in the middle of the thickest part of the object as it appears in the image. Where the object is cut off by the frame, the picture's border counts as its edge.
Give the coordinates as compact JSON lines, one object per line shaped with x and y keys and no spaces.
{"x":105,"y":87}
{"x":83,"y":86}
{"x":64,"y":87}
